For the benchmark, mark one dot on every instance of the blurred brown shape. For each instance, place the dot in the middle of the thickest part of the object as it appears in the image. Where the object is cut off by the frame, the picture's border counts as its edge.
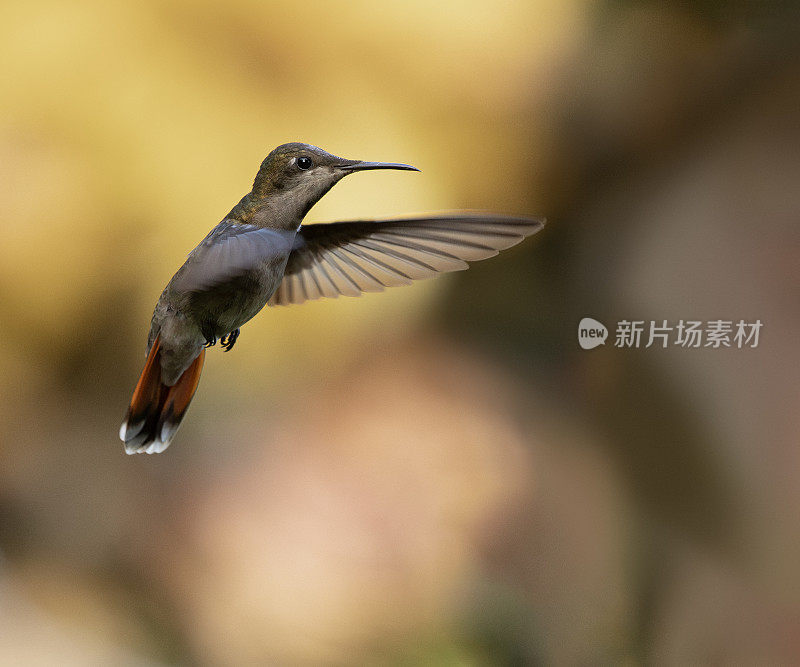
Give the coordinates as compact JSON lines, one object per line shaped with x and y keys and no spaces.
{"x":306,"y":554}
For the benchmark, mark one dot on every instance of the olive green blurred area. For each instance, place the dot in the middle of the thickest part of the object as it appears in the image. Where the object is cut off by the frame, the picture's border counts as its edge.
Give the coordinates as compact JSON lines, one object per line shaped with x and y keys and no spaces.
{"x":436,"y":475}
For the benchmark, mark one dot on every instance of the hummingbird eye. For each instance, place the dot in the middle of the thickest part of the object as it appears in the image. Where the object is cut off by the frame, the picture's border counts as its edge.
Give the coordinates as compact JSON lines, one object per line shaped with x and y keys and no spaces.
{"x":304,"y":163}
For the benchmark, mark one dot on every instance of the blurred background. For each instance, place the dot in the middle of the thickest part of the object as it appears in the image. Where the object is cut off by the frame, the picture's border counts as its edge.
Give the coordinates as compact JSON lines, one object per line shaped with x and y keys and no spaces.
{"x":439,"y":474}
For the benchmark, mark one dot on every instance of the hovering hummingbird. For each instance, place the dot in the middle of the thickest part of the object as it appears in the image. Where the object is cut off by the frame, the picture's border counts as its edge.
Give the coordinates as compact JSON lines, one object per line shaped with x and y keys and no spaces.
{"x":260,"y":254}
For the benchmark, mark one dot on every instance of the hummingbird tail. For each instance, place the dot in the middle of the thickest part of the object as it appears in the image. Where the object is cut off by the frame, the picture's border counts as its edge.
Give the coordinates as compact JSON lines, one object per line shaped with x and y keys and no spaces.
{"x":156,"y":409}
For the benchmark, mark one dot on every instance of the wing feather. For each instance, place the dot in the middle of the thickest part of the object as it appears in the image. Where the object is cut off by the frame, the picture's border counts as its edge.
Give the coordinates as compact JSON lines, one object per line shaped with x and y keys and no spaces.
{"x":348,"y":258}
{"x":231,"y":249}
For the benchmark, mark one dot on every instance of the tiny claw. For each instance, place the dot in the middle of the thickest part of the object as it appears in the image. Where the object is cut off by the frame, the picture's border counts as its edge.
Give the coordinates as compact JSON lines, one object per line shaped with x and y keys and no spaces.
{"x":210,"y":342}
{"x":229,"y":340}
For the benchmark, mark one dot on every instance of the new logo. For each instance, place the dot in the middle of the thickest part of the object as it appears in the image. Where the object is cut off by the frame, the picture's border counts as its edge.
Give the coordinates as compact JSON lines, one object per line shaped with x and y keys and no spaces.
{"x":591,"y":333}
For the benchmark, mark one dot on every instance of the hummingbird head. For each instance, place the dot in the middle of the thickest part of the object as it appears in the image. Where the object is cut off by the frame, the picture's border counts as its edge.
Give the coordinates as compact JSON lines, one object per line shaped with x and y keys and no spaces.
{"x":295,"y":176}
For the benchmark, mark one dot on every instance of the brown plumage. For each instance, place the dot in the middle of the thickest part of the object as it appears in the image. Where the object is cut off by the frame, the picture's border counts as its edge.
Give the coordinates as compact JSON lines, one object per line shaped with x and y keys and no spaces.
{"x":156,"y":409}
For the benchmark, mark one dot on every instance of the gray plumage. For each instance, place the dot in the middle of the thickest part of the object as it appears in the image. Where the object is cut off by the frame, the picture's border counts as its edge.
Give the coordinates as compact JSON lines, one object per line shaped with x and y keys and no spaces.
{"x":260,"y":254}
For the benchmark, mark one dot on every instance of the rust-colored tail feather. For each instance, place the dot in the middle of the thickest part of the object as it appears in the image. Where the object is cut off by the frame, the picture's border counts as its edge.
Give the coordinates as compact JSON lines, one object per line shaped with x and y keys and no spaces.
{"x":156,"y":409}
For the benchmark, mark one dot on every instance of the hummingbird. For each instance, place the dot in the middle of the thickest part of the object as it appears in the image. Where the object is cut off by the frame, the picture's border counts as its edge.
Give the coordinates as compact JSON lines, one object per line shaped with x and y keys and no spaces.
{"x":261,"y":254}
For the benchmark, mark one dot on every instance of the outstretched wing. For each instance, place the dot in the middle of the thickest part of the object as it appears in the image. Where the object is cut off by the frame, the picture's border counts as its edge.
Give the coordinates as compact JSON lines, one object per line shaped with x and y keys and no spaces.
{"x":348,"y":258}
{"x":230,"y":250}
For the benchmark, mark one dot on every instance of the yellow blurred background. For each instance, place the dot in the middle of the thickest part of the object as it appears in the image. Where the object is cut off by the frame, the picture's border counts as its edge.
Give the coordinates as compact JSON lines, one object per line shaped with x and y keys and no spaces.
{"x":436,"y":475}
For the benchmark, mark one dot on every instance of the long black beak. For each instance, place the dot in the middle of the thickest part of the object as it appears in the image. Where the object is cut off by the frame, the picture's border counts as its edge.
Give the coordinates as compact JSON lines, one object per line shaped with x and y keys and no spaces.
{"x":358,"y":165}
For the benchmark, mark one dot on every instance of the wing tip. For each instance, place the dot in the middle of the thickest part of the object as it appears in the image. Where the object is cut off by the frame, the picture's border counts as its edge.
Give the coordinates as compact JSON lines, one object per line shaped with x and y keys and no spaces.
{"x":533,"y":224}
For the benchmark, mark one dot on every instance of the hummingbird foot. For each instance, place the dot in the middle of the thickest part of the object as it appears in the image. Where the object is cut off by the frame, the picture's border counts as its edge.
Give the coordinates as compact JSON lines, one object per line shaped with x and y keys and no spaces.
{"x":207,"y":329}
{"x":230,"y":340}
